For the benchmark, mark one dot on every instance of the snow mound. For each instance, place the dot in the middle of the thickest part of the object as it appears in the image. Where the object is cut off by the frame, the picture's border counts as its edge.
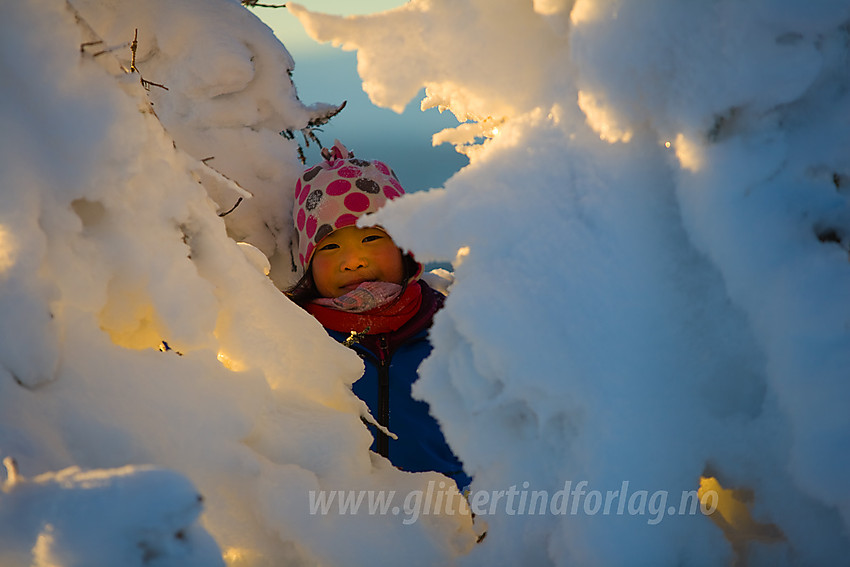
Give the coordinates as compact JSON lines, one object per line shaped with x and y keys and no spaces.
{"x":139,"y":344}
{"x":654,"y":283}
{"x":126,"y":516}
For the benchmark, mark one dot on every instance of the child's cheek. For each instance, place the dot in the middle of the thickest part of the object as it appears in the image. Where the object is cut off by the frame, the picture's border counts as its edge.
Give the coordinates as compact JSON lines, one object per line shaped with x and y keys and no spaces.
{"x":320,"y":275}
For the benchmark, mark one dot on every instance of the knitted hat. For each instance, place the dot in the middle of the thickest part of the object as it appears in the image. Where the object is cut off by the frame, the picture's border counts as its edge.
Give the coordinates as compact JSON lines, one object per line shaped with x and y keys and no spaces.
{"x":337,"y":192}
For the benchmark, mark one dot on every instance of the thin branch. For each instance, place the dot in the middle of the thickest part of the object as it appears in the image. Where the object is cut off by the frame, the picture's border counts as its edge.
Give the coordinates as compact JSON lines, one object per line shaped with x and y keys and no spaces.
{"x":89,"y":44}
{"x":256,"y":4}
{"x":224,"y":214}
{"x":102,"y":51}
{"x":133,"y":69}
{"x":148,"y":84}
{"x":133,"y":47}
{"x":323,"y":119}
{"x":308,"y":133}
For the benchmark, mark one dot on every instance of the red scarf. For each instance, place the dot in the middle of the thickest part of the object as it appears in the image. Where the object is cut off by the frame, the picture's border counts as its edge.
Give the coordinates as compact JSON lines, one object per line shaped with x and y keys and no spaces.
{"x":379,"y":320}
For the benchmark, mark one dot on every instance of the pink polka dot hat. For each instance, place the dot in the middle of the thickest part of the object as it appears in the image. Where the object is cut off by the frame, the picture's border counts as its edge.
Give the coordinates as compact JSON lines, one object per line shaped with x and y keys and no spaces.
{"x":337,"y":192}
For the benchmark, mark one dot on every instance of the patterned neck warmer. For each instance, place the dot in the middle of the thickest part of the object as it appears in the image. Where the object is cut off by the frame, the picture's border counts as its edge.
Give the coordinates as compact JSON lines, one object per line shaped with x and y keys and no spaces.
{"x":385,"y":318}
{"x":365,"y":297}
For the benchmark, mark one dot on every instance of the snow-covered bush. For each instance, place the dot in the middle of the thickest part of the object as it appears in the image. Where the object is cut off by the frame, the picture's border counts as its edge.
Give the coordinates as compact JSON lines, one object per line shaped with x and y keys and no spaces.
{"x":655,"y":283}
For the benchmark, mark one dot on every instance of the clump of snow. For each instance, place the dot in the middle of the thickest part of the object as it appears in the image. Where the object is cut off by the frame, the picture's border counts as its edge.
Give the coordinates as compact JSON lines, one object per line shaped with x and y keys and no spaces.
{"x":139,"y":345}
{"x":654,"y":282}
{"x":160,"y":529}
{"x":228,"y":97}
{"x":510,"y":55}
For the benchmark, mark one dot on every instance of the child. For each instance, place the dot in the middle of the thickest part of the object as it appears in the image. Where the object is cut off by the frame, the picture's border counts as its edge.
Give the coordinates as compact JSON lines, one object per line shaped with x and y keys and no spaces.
{"x":367,"y":293}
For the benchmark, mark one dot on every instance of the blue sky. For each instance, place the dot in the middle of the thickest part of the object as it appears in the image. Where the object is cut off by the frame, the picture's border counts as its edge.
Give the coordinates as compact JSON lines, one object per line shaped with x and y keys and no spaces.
{"x":328,"y":74}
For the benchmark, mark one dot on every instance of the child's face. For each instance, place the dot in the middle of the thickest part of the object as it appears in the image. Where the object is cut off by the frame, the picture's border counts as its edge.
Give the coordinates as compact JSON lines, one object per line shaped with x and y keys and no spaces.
{"x":351,"y":255}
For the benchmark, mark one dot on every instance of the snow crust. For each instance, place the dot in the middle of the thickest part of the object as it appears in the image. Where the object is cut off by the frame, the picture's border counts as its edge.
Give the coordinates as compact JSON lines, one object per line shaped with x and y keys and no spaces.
{"x":651,"y":282}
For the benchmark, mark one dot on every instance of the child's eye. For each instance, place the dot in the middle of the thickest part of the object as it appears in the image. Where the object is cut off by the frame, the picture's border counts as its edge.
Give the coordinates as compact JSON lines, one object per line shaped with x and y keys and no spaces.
{"x":372,"y":237}
{"x":329,"y":246}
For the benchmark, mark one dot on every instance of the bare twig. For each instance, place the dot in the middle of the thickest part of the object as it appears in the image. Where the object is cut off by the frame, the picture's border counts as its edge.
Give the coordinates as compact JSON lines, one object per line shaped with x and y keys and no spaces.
{"x":165,"y":347}
{"x":256,"y":4}
{"x":323,"y":119}
{"x":224,"y":214}
{"x":102,"y":51}
{"x":308,"y":133}
{"x":148,"y":84}
{"x":133,"y":47}
{"x":89,"y":44}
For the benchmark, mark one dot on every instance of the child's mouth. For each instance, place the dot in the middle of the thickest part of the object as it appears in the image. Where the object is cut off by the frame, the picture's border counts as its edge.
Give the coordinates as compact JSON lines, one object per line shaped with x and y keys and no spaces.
{"x":353,"y":285}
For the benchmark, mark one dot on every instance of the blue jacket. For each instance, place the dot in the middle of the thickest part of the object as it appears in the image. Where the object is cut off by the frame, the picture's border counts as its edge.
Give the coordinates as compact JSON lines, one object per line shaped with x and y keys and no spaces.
{"x":392,"y":362}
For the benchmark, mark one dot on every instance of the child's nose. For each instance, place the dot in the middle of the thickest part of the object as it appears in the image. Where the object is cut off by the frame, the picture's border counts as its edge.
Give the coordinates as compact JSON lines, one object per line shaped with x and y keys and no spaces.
{"x":353,"y":261}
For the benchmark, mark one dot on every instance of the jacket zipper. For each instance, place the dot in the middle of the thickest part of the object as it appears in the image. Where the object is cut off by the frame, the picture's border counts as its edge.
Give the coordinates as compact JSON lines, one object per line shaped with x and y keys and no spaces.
{"x":383,"y":441}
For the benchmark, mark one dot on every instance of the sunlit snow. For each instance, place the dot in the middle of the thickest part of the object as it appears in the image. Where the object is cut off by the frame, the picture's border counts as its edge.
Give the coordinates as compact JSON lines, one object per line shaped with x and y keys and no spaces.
{"x":652,"y":286}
